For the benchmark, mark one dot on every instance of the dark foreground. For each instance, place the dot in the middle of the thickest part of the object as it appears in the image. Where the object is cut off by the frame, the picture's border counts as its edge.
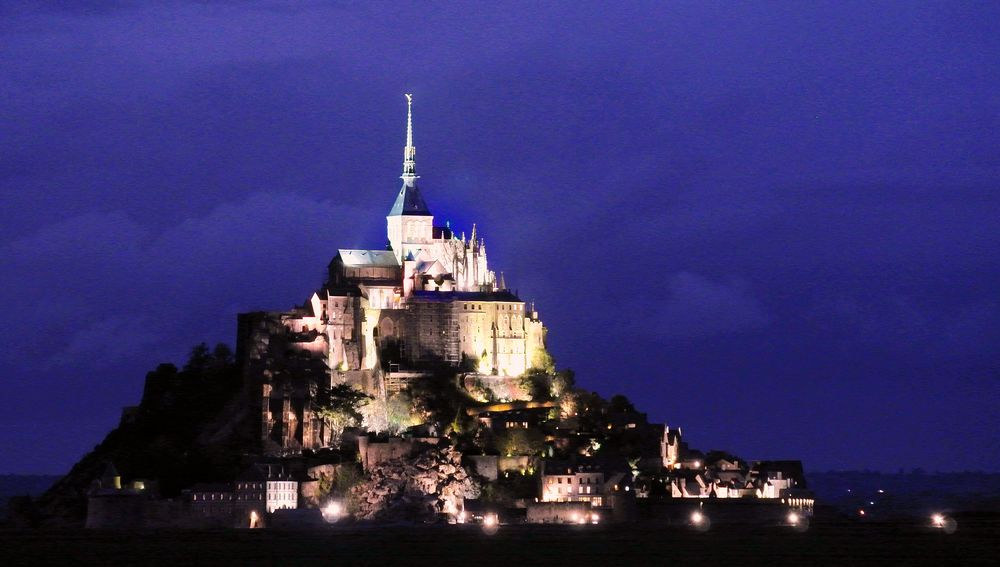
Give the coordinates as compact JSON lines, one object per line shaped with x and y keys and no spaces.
{"x":512,"y":546}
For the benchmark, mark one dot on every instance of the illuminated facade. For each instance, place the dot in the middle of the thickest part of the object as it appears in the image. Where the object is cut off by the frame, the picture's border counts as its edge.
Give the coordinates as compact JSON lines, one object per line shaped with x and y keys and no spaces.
{"x":581,"y":482}
{"x":429,"y":298}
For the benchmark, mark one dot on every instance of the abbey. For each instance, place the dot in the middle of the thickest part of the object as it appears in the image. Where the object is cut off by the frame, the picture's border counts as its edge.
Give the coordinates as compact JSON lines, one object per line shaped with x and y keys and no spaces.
{"x":384,"y":317}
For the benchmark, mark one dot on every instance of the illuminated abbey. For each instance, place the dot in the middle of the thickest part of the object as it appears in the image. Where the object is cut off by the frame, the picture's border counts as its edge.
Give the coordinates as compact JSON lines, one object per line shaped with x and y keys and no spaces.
{"x":384,"y":316}
{"x":417,"y":368}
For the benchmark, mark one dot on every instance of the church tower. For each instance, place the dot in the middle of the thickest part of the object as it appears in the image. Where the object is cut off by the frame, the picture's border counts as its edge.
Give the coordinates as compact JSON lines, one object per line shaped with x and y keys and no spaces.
{"x":409,"y":223}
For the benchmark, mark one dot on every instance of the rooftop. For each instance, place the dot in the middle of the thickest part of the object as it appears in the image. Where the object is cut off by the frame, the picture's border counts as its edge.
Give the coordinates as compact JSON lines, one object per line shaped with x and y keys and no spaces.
{"x":360,"y":258}
{"x":409,"y":202}
{"x":446,"y":296}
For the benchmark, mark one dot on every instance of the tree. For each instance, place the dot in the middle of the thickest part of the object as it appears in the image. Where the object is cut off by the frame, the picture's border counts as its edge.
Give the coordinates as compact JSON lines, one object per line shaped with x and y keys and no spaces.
{"x":563,"y":381}
{"x":399,"y":411}
{"x":620,"y":404}
{"x":542,"y":362}
{"x":520,"y":442}
{"x":338,"y":407}
{"x":438,"y":397}
{"x":203,"y":359}
{"x":375,"y":416}
{"x":536,"y":384}
{"x":199,"y":359}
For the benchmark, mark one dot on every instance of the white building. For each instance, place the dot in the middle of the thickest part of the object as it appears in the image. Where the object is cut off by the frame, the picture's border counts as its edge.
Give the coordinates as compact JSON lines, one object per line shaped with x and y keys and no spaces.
{"x":266,"y":488}
{"x":581,"y":482}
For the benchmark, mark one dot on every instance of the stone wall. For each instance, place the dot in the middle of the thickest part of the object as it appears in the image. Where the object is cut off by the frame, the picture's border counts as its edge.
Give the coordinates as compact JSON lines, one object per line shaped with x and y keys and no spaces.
{"x":557,"y":512}
{"x":128,"y":511}
{"x":506,"y":388}
{"x":485,"y":466}
{"x":372,"y":453}
{"x":131,"y":511}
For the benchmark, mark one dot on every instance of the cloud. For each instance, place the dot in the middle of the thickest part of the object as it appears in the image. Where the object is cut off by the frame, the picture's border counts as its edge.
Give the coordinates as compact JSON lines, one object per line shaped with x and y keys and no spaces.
{"x":101,"y":284}
{"x":104,"y":342}
{"x":697,"y":307}
{"x":904,"y":325}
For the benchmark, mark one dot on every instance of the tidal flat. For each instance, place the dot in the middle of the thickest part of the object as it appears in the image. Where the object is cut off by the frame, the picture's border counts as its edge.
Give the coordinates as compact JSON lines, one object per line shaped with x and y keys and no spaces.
{"x":976,"y":542}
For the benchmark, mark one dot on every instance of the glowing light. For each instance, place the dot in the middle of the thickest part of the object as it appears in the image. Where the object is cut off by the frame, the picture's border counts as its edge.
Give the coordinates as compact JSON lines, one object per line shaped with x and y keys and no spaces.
{"x":490,"y":523}
{"x":333,"y":511}
{"x":861,"y":512}
{"x":793,"y":518}
{"x":944,"y":523}
{"x":461,"y":517}
{"x":697,"y":518}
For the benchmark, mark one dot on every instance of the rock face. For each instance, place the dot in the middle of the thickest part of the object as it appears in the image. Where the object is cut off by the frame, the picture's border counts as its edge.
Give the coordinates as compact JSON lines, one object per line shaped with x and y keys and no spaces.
{"x":416,"y":488}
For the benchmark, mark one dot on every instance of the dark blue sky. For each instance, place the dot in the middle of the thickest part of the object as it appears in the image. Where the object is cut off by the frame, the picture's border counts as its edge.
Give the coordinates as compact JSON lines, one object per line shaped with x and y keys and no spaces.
{"x":774,"y":224}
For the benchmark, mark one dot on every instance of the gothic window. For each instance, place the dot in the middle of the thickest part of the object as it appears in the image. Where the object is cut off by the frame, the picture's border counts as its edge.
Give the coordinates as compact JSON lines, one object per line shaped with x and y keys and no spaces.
{"x":388,"y":329}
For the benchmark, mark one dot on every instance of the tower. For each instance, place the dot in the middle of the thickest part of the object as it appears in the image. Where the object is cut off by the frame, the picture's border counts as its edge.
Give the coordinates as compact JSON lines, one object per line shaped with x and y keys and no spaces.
{"x":409,"y":223}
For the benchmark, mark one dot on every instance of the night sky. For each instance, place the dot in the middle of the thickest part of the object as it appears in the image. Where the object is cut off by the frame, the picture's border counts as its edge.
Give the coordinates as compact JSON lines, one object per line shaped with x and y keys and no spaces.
{"x":775,"y":225}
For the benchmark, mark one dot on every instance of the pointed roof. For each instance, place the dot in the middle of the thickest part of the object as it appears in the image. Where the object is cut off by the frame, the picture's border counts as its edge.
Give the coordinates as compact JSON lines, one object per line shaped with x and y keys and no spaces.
{"x":409,"y":201}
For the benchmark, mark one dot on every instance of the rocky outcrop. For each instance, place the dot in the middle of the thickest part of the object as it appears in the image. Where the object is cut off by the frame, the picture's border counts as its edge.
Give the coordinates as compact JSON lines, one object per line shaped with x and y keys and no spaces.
{"x":191,"y":426}
{"x":416,"y":488}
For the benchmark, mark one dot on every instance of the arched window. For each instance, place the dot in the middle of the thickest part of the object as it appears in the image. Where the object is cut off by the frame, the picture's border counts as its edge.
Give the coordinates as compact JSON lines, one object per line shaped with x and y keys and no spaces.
{"x":388,"y":328}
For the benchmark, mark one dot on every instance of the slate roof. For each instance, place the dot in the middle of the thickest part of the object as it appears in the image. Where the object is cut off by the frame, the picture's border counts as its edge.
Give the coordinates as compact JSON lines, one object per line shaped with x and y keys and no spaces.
{"x":409,"y":202}
{"x":446,"y":296}
{"x":265,"y":471}
{"x":357,"y":258}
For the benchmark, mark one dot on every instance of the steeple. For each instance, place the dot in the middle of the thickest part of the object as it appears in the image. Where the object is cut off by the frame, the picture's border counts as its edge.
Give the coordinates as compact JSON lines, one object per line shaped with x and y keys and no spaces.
{"x":409,"y":201}
{"x":410,"y":152}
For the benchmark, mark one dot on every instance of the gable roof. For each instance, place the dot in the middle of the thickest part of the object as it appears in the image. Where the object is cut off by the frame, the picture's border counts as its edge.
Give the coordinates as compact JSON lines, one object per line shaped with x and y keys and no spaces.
{"x":360,"y":258}
{"x":409,"y":202}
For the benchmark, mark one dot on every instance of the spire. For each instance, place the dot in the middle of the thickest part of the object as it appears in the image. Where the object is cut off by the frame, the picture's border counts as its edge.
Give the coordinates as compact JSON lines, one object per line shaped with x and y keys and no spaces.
{"x":408,"y":200}
{"x":410,"y":152}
